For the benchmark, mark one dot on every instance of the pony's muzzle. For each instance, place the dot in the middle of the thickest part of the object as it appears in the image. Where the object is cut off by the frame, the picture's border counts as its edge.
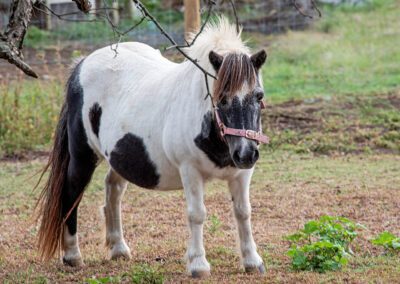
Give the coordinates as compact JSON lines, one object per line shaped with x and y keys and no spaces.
{"x":244,"y":152}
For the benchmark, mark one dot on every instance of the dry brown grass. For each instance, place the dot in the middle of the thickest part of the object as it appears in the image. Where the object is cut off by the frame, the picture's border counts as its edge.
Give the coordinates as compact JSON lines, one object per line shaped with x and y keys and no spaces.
{"x":287,"y":190}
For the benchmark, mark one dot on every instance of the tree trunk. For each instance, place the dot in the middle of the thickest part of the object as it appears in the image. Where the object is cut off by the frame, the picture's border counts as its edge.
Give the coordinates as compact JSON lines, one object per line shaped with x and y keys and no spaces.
{"x":12,"y":39}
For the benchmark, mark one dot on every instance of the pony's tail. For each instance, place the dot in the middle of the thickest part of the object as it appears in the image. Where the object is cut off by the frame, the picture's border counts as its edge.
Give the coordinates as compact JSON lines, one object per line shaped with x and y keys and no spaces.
{"x":50,"y":200}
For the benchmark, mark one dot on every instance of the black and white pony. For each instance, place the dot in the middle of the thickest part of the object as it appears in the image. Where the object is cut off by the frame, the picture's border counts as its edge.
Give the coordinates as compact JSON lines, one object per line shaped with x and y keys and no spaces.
{"x":148,"y":118}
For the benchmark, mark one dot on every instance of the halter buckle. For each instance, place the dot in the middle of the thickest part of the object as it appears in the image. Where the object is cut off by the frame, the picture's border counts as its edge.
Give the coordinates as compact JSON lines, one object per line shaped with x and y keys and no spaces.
{"x":251,"y":134}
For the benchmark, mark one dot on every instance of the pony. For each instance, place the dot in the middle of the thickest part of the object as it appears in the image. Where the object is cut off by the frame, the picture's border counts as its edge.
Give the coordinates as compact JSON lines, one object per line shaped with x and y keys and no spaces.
{"x":148,"y":118}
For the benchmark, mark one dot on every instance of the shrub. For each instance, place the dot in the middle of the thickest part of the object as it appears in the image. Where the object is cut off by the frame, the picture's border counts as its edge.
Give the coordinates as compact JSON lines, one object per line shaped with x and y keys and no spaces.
{"x":322,"y":245}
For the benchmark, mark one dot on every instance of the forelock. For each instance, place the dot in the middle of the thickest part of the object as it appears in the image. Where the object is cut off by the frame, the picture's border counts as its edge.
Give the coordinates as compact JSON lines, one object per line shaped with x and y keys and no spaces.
{"x":236,"y":71}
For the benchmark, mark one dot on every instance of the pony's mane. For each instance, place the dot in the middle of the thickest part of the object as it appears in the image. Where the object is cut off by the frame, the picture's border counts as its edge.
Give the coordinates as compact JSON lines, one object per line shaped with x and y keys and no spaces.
{"x":222,"y":37}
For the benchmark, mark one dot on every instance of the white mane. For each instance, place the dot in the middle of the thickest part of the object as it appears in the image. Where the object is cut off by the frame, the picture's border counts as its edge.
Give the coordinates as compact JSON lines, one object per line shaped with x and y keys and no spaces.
{"x":219,"y":36}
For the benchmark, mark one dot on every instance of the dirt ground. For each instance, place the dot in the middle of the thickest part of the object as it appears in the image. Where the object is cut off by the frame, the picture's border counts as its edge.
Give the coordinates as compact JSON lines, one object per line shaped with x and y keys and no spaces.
{"x":287,"y":190}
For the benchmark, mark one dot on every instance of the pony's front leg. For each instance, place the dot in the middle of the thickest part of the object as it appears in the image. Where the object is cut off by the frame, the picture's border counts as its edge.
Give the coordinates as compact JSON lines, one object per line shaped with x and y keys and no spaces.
{"x":196,"y":211}
{"x":115,"y":188}
{"x":239,"y":188}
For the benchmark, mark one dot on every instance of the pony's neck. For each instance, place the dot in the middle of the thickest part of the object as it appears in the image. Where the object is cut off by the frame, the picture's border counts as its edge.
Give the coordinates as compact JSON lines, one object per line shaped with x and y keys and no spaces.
{"x":198,"y":94}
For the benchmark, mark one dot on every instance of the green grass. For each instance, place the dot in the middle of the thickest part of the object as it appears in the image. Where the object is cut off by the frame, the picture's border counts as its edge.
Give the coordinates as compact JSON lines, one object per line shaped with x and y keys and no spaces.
{"x":350,"y":50}
{"x":28,"y":114}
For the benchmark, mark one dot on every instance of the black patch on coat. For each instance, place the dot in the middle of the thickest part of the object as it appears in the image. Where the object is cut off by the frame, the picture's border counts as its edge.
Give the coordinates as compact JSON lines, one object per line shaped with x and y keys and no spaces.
{"x":106,"y":153}
{"x":94,"y":117}
{"x":210,"y":142}
{"x":237,"y":114}
{"x":131,"y":160}
{"x":82,"y":162}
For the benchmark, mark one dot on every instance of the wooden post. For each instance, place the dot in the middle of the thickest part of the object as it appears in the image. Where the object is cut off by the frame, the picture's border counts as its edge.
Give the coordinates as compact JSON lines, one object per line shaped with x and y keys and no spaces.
{"x":129,"y":9}
{"x":192,"y":16}
{"x":47,"y":16}
{"x":115,"y":12}
{"x":99,"y":5}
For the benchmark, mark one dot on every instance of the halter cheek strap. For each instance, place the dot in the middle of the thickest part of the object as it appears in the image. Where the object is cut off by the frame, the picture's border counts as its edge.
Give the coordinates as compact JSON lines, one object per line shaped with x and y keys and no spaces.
{"x":247,"y":133}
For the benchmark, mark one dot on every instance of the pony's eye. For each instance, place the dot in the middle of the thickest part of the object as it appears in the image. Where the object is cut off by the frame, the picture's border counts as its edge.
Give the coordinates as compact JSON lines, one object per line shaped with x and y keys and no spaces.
{"x":259,"y":95}
{"x":224,"y":101}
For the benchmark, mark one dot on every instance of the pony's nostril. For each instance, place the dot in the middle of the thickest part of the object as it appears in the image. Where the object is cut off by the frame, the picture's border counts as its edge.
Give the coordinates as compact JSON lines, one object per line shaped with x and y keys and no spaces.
{"x":256,"y":154}
{"x":236,"y":156}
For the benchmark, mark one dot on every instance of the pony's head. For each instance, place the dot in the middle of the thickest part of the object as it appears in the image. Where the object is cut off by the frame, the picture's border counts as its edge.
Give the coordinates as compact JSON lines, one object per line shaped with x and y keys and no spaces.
{"x":238,"y":95}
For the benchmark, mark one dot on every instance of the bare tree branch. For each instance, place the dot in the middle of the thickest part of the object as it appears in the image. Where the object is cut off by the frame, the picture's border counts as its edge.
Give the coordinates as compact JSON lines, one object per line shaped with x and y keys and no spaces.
{"x":313,"y":5}
{"x":299,"y":10}
{"x":147,"y":14}
{"x":144,"y":10}
{"x":12,"y":39}
{"x":235,"y":14}
{"x":47,"y":10}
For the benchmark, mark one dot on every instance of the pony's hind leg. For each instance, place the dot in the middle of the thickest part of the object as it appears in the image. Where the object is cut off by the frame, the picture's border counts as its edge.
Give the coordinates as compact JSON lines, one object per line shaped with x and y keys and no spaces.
{"x":79,"y":174}
{"x":115,"y":188}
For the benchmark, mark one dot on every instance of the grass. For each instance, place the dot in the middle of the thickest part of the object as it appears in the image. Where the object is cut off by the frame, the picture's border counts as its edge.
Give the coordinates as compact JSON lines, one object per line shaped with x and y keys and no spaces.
{"x":343,"y":124}
{"x":348,"y":51}
{"x":28,"y":114}
{"x":287,"y":190}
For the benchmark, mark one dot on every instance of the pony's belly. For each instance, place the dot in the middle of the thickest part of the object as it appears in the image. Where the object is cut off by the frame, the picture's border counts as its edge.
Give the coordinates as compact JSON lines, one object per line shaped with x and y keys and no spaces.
{"x":170,"y":179}
{"x":146,"y":167}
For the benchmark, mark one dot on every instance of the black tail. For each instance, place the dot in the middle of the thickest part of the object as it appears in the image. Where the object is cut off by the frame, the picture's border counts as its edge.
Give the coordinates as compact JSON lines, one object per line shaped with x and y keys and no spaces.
{"x":50,"y":199}
{"x":71,"y":164}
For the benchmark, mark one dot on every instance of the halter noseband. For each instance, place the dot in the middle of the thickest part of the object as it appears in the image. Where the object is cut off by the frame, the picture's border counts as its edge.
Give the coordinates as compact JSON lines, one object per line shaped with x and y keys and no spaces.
{"x":247,"y":133}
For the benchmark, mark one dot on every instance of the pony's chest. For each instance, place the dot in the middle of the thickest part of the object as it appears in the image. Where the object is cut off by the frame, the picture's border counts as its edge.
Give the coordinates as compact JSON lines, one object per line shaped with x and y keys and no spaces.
{"x":209,"y":142}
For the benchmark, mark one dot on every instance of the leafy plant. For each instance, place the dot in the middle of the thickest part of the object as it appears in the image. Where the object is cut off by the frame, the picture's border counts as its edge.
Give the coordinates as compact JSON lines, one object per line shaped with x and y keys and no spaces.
{"x":322,"y":245}
{"x":215,"y":224}
{"x":390,"y":242}
{"x":138,"y":274}
{"x":144,"y":274}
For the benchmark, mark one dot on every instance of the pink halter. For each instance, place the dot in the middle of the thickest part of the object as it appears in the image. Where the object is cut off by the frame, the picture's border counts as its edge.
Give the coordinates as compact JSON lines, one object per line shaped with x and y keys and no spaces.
{"x":247,"y":133}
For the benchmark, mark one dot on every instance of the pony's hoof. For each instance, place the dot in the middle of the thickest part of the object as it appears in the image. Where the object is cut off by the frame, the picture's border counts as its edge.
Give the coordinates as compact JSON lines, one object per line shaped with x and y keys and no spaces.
{"x":201,"y":274}
{"x":257,"y":269}
{"x":121,"y":255}
{"x":75,"y":262}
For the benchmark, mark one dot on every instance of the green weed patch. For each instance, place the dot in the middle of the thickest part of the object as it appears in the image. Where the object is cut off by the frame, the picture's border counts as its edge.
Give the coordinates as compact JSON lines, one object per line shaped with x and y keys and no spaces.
{"x":388,"y":241}
{"x":322,"y":245}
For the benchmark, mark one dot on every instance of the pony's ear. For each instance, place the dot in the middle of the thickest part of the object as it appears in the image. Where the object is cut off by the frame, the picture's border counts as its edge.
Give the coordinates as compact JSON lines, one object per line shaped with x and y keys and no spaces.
{"x":215,"y":59}
{"x":258,"y":59}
